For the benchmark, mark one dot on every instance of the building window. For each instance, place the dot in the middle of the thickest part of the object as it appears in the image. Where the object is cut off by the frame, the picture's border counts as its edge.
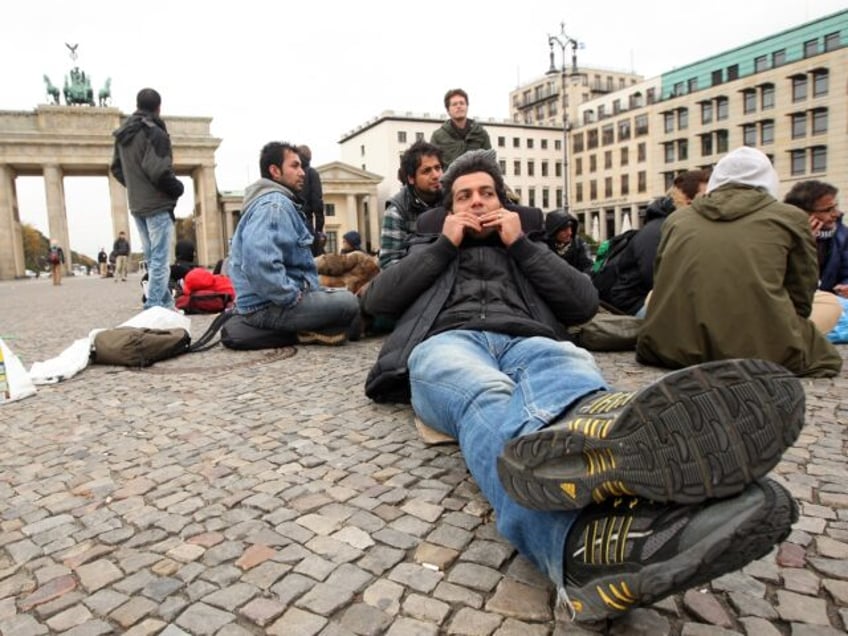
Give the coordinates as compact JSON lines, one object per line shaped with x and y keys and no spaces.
{"x":650,"y":97}
{"x":819,"y":121}
{"x":668,"y":122}
{"x":602,"y":112}
{"x":811,"y":48}
{"x":362,"y":151}
{"x":592,"y":139}
{"x":641,"y":124}
{"x":502,"y":166}
{"x":624,"y":130}
{"x":820,"y":82}
{"x":692,"y":84}
{"x":831,"y":41}
{"x":677,"y":89}
{"x":593,"y":190}
{"x":767,"y":96}
{"x":749,"y":101}
{"x":799,"y":88}
{"x":608,"y":160}
{"x":558,"y":169}
{"x":799,"y":125}
{"x":682,"y":118}
{"x":767,"y":132}
{"x":516,"y":142}
{"x":608,"y":135}
{"x":706,"y":112}
{"x":625,"y":156}
{"x":401,"y":137}
{"x":635,"y":100}
{"x":516,"y":168}
{"x":544,"y":168}
{"x":732,"y":72}
{"x":668,"y":180}
{"x":642,"y":181}
{"x":760,"y":63}
{"x":501,"y":142}
{"x":329,"y":209}
{"x":593,"y":163}
{"x":518,"y":193}
{"x":625,"y":184}
{"x":818,"y":160}
{"x":717,"y":77}
{"x":530,"y":142}
{"x":706,"y":145}
{"x":552,"y":109}
{"x":749,"y":134}
{"x":579,"y":194}
{"x":778,"y":58}
{"x":641,"y":152}
{"x":558,"y":144}
{"x":721,"y":141}
{"x":608,"y":187}
{"x":540,"y":112}
{"x":616,"y":106}
{"x":668,"y":151}
{"x":797,"y":161}
{"x":531,"y":197}
{"x":419,"y":136}
{"x":531,"y":168}
{"x":332,"y":242}
{"x":546,"y":197}
{"x":544,"y":144}
{"x":577,"y":142}
{"x":722,"y":108}
{"x":682,"y":149}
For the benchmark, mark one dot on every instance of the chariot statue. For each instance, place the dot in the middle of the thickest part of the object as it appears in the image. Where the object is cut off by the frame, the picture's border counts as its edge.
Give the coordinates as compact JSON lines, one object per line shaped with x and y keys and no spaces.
{"x":77,"y":88}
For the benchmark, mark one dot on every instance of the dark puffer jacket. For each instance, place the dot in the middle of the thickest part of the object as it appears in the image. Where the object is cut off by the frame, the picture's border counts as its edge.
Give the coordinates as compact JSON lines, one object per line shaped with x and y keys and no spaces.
{"x":636,"y":268}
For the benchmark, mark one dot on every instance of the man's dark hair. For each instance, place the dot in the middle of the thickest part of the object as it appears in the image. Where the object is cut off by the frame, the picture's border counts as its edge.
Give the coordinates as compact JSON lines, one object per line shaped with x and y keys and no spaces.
{"x":148,"y":99}
{"x":410,"y":160}
{"x":689,"y":182}
{"x":469,"y":163}
{"x":305,"y":153}
{"x":272,"y":155}
{"x":804,"y":194}
{"x":453,"y":93}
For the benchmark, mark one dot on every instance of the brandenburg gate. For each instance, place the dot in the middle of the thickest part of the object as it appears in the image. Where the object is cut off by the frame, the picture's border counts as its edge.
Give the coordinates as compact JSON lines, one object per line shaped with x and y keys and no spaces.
{"x":57,"y":141}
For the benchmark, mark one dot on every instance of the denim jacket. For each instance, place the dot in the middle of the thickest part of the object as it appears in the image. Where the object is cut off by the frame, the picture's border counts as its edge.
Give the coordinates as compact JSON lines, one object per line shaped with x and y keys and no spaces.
{"x":270,"y":260}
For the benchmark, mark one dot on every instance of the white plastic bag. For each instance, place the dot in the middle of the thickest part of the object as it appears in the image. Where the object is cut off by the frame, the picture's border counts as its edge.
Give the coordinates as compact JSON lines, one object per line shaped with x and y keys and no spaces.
{"x":159,"y":318}
{"x":15,"y":383}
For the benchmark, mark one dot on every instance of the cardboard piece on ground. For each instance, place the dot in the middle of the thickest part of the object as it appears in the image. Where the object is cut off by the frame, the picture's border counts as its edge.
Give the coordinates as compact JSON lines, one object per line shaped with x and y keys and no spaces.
{"x":431,"y":436}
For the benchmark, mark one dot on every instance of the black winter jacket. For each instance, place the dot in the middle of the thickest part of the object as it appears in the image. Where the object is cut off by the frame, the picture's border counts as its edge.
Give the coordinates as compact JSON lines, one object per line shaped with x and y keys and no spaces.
{"x":636,"y":268}
{"x":552,"y":294}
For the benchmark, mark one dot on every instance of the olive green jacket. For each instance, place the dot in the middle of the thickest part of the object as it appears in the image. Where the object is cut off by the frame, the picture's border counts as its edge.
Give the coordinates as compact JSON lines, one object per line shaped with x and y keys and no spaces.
{"x":452,"y":145}
{"x":734,"y":277}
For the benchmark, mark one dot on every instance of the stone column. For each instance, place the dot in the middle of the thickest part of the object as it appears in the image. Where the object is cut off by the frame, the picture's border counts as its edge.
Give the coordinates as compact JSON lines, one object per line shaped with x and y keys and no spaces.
{"x":374,"y":222}
{"x":12,"y":262}
{"x":207,"y":218}
{"x":351,"y":215}
{"x":119,"y":208}
{"x":618,"y":220}
{"x":57,"y":216}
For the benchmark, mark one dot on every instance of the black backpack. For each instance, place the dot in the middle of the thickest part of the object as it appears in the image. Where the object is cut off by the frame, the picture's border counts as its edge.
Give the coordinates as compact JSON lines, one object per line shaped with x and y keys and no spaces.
{"x":608,"y":262}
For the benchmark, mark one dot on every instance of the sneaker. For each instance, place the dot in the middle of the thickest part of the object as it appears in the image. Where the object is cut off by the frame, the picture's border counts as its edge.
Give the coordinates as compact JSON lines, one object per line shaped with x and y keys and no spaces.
{"x":317,"y":337}
{"x":700,"y":432}
{"x":630,"y":552}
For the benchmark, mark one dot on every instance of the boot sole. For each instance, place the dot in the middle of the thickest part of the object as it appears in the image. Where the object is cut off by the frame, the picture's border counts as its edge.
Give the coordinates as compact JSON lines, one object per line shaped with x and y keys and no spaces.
{"x":701,"y":432}
{"x":736,"y":544}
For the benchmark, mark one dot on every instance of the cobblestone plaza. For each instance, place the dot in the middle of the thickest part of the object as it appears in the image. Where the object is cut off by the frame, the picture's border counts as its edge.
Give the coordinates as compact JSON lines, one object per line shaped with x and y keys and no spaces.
{"x":262,"y":493}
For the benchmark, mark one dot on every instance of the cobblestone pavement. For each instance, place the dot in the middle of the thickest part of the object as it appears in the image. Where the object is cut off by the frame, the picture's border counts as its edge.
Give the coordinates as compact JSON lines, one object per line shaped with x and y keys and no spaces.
{"x":247,"y":493}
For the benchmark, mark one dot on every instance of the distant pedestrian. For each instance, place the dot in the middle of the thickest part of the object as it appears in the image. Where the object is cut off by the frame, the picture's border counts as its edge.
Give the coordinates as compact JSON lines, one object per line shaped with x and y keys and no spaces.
{"x":56,"y":258}
{"x":102,"y":261}
{"x":122,"y":253}
{"x":143,"y":162}
{"x":312,"y":196}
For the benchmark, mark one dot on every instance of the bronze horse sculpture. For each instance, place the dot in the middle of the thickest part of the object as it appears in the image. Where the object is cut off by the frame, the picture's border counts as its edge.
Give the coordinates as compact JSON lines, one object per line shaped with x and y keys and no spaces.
{"x":52,"y":91}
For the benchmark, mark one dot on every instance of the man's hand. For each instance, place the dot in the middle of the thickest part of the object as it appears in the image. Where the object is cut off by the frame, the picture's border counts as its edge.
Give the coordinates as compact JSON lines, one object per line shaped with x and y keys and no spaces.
{"x":507,"y":224}
{"x":841,"y":290}
{"x":455,"y":225}
{"x":815,"y":225}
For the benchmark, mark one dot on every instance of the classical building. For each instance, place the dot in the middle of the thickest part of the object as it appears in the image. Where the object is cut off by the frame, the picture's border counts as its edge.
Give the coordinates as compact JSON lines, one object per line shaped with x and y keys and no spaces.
{"x":784,"y":94}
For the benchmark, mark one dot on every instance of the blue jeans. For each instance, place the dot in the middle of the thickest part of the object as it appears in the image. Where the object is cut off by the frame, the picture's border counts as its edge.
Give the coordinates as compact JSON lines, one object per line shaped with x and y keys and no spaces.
{"x":485,"y":389}
{"x":156,"y":232}
{"x":325,"y":310}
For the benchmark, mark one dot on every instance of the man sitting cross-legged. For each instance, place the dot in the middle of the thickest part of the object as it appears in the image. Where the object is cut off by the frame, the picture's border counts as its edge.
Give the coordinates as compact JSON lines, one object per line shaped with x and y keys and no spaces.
{"x":619,"y":498}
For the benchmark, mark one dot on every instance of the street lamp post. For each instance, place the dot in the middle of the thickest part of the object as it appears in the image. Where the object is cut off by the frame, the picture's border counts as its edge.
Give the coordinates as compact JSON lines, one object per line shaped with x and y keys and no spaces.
{"x":564,"y":41}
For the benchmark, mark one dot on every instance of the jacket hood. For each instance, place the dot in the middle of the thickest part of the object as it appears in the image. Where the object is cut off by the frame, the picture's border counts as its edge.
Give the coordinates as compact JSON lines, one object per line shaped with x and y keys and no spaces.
{"x":264,"y":186}
{"x":136,"y":122}
{"x":557,"y":220}
{"x":745,"y":166}
{"x":731,"y":202}
{"x":659,"y":208}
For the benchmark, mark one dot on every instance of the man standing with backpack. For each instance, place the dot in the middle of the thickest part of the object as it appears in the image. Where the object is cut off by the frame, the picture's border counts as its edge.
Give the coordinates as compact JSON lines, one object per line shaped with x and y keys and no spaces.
{"x":56,"y":258}
{"x":122,"y":253}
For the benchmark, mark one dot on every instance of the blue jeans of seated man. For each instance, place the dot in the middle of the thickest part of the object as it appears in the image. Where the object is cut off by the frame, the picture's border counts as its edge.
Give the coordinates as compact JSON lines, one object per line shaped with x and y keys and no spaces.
{"x":484,"y":389}
{"x":324,"y":310}
{"x":156,"y":232}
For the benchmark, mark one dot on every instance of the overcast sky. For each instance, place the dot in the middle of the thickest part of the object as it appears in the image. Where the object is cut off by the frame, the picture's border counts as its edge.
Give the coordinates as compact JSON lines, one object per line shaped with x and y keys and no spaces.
{"x":264,"y":70}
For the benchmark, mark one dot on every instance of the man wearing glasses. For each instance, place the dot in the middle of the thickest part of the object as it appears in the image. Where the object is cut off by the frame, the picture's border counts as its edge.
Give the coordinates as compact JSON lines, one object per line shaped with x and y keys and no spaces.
{"x":818,"y":200}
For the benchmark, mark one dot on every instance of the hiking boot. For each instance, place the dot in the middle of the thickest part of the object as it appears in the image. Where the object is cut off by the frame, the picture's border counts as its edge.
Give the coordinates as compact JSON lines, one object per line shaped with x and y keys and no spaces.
{"x":630,"y":552}
{"x":704,"y":431}
{"x":317,"y":337}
